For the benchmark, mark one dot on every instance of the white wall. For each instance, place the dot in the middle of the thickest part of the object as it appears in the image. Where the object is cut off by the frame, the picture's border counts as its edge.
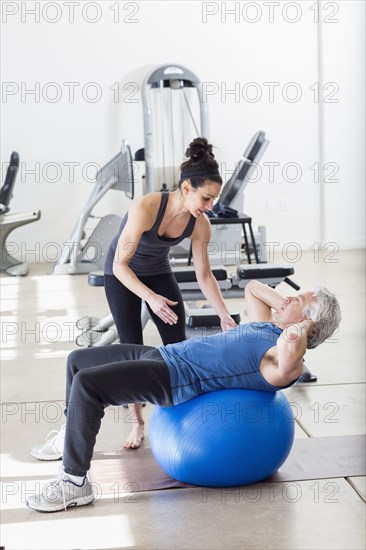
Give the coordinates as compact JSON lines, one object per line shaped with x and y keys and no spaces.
{"x":227,"y":51}
{"x":344,"y":127}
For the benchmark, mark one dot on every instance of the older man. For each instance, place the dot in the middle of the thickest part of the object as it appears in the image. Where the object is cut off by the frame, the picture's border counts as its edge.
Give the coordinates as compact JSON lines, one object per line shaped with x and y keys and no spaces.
{"x":265,"y":354}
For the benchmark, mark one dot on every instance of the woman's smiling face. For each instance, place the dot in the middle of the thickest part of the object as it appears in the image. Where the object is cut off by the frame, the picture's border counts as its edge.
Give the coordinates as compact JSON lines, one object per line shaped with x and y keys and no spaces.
{"x":200,"y":200}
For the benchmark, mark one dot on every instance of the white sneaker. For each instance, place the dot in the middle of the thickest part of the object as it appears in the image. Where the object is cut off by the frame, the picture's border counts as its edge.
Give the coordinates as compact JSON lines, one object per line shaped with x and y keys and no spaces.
{"x":60,"y":494}
{"x":53,"y":447}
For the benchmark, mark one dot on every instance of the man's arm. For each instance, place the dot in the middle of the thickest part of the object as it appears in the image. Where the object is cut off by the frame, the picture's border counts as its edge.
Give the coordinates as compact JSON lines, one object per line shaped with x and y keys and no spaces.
{"x":291,"y":348}
{"x":260,"y":299}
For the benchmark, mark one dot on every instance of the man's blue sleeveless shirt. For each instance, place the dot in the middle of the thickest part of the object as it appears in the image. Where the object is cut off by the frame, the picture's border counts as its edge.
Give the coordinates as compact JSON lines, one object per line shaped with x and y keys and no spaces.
{"x":226,"y":360}
{"x":152,"y":253}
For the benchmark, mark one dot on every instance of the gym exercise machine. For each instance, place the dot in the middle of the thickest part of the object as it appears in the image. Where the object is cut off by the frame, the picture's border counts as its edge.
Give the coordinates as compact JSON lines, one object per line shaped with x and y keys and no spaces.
{"x":174,"y":112}
{"x":81,"y":254}
{"x":9,"y":222}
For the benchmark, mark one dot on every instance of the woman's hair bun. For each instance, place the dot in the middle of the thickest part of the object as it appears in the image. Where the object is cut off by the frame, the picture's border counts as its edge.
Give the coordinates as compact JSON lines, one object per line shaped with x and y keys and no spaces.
{"x":201,"y":165}
{"x":199,"y":149}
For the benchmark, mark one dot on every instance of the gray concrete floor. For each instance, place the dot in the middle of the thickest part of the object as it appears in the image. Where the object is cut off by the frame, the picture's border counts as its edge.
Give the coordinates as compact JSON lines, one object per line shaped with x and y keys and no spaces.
{"x":39,"y":313}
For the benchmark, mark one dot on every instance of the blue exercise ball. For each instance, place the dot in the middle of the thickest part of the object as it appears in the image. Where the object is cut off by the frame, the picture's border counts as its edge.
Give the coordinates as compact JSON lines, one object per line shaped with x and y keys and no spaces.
{"x":223,"y":438}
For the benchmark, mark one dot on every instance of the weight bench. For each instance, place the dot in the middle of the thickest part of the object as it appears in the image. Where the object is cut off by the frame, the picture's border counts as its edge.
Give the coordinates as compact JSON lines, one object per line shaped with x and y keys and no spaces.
{"x":97,"y":332}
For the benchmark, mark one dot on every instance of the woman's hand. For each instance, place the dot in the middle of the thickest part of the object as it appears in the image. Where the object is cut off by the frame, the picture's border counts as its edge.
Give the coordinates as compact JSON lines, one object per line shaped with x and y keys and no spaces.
{"x":227,"y":322}
{"x":160,"y":306}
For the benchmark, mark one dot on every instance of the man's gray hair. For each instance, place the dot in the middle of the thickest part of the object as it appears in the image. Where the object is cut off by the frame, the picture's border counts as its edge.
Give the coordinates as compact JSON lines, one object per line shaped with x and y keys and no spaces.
{"x":325,"y":312}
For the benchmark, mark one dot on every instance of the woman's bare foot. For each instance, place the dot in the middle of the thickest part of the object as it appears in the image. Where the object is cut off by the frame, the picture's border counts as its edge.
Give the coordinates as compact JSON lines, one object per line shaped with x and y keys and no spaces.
{"x":134,"y":440}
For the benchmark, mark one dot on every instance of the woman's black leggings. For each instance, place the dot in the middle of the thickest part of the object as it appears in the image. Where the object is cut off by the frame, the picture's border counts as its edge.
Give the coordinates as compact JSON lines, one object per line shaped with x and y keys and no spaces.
{"x":102,"y":376}
{"x":125,"y":307}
